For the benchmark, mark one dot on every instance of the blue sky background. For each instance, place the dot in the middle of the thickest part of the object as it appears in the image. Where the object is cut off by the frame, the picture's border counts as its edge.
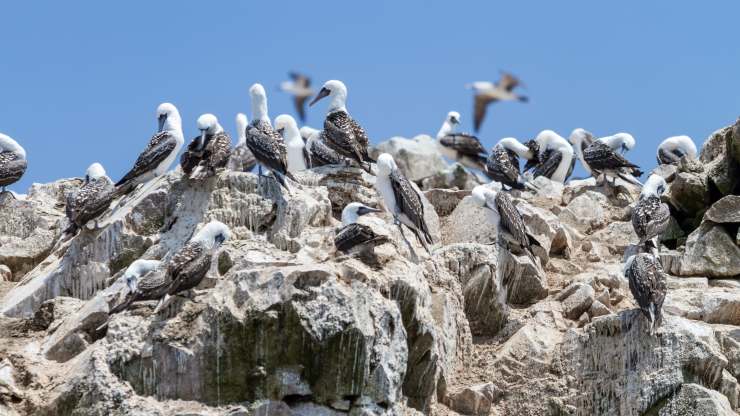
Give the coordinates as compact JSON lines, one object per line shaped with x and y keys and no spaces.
{"x":80,"y":81}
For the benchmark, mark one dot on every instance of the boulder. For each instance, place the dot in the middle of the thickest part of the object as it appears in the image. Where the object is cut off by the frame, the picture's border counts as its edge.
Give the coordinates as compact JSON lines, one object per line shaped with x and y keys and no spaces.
{"x":718,"y":157}
{"x":577,"y":299}
{"x":726,"y":210}
{"x":668,"y":172}
{"x":454,"y":177}
{"x":474,"y":400}
{"x":77,"y":331}
{"x":712,"y":252}
{"x":688,"y":193}
{"x":417,"y":158}
{"x":445,"y":201}
{"x":468,"y":224}
{"x":585,"y":212}
{"x":712,"y":305}
{"x":344,"y":185}
{"x":6,"y":275}
{"x":696,"y":400}
{"x":547,"y":188}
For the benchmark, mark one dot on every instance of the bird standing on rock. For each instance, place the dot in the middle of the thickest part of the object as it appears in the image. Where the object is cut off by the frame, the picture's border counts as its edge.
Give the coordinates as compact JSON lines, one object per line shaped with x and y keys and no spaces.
{"x":296,"y":147}
{"x":143,"y":283}
{"x":242,"y":159}
{"x":463,"y":148}
{"x":503,"y":163}
{"x":90,"y":200}
{"x":648,"y":285}
{"x":208,"y":152}
{"x":552,"y":157}
{"x":602,"y":158}
{"x":672,"y":149}
{"x":650,"y":216}
{"x":13,"y":162}
{"x":353,"y":234}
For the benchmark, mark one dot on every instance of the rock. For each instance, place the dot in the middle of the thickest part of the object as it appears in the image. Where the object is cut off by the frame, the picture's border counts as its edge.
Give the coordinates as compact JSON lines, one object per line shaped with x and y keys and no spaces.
{"x":417,"y":158}
{"x":474,"y":400}
{"x":445,"y":200}
{"x":583,"y":319}
{"x":710,"y":251}
{"x":688,"y":194}
{"x":617,"y":236}
{"x":5,"y":274}
{"x":671,"y":261}
{"x":598,"y":309}
{"x":77,"y":331}
{"x":688,"y":283}
{"x":725,"y":283}
{"x":578,"y":299}
{"x":715,"y":305}
{"x":726,"y":210}
{"x":344,"y":185}
{"x":454,"y":177}
{"x":668,"y":172}
{"x":525,"y":282}
{"x":577,"y":187}
{"x":468,"y":224}
{"x":696,"y":400}
{"x":53,"y":311}
{"x":585,"y":212}
{"x":722,"y":169}
{"x":547,"y":188}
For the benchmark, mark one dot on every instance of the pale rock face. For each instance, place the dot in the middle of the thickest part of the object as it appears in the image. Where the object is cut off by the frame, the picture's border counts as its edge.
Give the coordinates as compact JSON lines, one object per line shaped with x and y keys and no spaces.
{"x":695,"y":400}
{"x":711,"y":251}
{"x":585,"y":212}
{"x":417,"y":158}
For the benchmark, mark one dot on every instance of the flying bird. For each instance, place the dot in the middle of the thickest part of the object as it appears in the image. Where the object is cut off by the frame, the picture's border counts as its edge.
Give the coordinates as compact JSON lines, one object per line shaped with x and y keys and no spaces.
{"x":602,"y":158}
{"x":300,"y":87}
{"x":463,"y":148}
{"x":672,"y":149}
{"x":503,"y":163}
{"x":319,"y":154}
{"x":242,"y":159}
{"x":648,"y":285}
{"x":144,"y":282}
{"x":580,"y":139}
{"x":296,"y":147}
{"x":488,"y":92}
{"x":353,"y":234}
{"x":401,"y":199}
{"x":90,"y":200}
{"x":161,"y":151}
{"x":341,"y":131}
{"x":650,"y":216}
{"x":265,"y":143}
{"x":553,"y":157}
{"x":209,"y":151}
{"x":13,"y":161}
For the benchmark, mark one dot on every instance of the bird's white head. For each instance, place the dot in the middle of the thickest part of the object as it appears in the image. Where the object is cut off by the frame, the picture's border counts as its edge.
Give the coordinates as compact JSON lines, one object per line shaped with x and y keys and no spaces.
{"x":94,"y":171}
{"x":654,"y":186}
{"x":448,"y":127}
{"x":9,"y":145}
{"x":354,"y":210}
{"x":386,"y":164}
{"x":337,"y":91}
{"x":579,"y":136}
{"x":241,"y":127}
{"x":307,"y":132}
{"x":259,"y":103}
{"x":168,"y":117}
{"x":137,"y":270}
{"x":287,"y":127}
{"x":628,"y":142}
{"x":453,"y":117}
{"x":548,"y":139}
{"x":213,"y":234}
{"x":209,"y":123}
{"x":682,"y":143}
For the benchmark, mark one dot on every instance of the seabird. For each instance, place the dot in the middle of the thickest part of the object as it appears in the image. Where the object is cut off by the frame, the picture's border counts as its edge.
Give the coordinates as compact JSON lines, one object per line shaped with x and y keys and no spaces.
{"x":401,"y":199}
{"x":265,"y":143}
{"x":580,"y":139}
{"x":242,"y":159}
{"x":296,"y":147}
{"x":648,"y":285}
{"x":503,"y":163}
{"x":90,"y":200}
{"x":488,"y":92}
{"x":306,"y":132}
{"x":300,"y":87}
{"x":602,"y":158}
{"x":352,"y":234}
{"x":460,"y":147}
{"x":319,"y":154}
{"x":144,"y":282}
{"x":672,"y":149}
{"x":553,"y":156}
{"x":342,"y":133}
{"x":650,"y":217}
{"x":13,"y":161}
{"x":209,"y":151}
{"x":161,"y":151}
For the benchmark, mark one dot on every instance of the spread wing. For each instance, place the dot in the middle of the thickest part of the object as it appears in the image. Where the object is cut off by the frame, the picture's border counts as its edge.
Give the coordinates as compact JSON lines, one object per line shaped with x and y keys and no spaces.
{"x":300,"y":106}
{"x":511,"y":219}
{"x":12,"y":168}
{"x":268,"y":147}
{"x":409,"y":202}
{"x":481,"y":102}
{"x":160,"y":146}
{"x":300,"y":80}
{"x":508,"y":82}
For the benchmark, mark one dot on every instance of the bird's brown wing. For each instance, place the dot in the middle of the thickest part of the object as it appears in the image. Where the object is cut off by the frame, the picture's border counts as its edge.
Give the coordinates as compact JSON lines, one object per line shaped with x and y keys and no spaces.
{"x":479,"y":110}
{"x":508,"y":81}
{"x":511,"y":218}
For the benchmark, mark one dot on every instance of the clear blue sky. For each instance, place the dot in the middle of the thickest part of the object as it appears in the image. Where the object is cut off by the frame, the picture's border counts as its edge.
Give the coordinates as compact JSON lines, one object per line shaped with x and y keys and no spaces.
{"x":80,"y":81}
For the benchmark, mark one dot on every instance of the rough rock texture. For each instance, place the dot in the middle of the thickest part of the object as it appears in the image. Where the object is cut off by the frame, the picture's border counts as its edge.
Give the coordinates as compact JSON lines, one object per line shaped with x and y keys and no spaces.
{"x":711,"y":251}
{"x":695,"y":400}
{"x":417,"y":158}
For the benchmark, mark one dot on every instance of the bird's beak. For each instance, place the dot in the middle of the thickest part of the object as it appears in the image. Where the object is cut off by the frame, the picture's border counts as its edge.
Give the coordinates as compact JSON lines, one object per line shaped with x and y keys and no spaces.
{"x":220,"y":239}
{"x":323,"y":93}
{"x":162,"y":118}
{"x":202,"y":138}
{"x":366,"y":210}
{"x":455,"y":121}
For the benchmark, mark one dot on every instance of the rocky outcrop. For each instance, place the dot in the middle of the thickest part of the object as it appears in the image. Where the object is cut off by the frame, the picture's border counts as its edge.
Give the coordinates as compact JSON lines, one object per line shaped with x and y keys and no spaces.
{"x":418,"y":158}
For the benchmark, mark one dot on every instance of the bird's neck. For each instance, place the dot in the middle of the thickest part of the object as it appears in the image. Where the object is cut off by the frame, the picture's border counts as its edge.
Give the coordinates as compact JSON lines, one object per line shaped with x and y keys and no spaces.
{"x":338,"y":102}
{"x":517,"y":147}
{"x":259,"y":109}
{"x":173,"y":124}
{"x":447,"y":128}
{"x":293,"y":136}
{"x":349,"y":217}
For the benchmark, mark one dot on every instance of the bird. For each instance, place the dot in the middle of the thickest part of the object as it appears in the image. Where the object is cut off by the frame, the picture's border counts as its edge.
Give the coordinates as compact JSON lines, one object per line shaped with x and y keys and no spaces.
{"x":353,"y":234}
{"x":341,"y":132}
{"x":622,"y":142}
{"x":13,"y":162}
{"x":144,"y":282}
{"x":647,"y":282}
{"x":90,"y":200}
{"x":602,"y":158}
{"x":300,"y":87}
{"x":265,"y":143}
{"x":650,"y":216}
{"x":488,"y":92}
{"x":672,"y":149}
{"x":463,"y":148}
{"x":502,"y":164}
{"x":580,"y":139}
{"x":553,"y":157}
{"x":503,"y":214}
{"x":159,"y":154}
{"x":242,"y":159}
{"x":208,"y":152}
{"x":401,"y":199}
{"x":296,"y":147}
{"x":306,"y":132}
{"x":319,"y":154}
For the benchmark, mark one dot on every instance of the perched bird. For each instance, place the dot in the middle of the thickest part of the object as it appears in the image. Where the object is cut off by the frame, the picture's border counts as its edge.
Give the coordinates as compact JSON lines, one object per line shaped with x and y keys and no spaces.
{"x":306,"y":132}
{"x":265,"y":143}
{"x":352,"y":234}
{"x":648,"y":285}
{"x":160,"y":153}
{"x":503,"y":163}
{"x":622,"y":142}
{"x":342,"y":133}
{"x":319,"y":154}
{"x":143,"y":282}
{"x":209,"y":151}
{"x":553,"y":157}
{"x":672,"y":149}
{"x":296,"y":147}
{"x":300,"y":87}
{"x":90,"y":200}
{"x":460,"y":147}
{"x":602,"y":158}
{"x":488,"y":92}
{"x":401,"y":199}
{"x":13,"y":161}
{"x":650,"y":216}
{"x":580,"y":139}
{"x":242,"y":159}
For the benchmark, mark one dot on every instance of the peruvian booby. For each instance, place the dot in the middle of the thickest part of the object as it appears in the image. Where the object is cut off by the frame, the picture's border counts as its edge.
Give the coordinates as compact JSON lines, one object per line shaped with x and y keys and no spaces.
{"x":602,"y":158}
{"x":463,"y":148}
{"x":208,"y":152}
{"x":621,"y":142}
{"x":265,"y":143}
{"x":319,"y":154}
{"x":672,"y":149}
{"x":242,"y":159}
{"x":401,"y":199}
{"x":13,"y":161}
{"x":488,"y":92}
{"x":341,"y":131}
{"x":502,"y":164}
{"x":300,"y":87}
{"x":144,"y":282}
{"x":296,"y":147}
{"x":650,"y":216}
{"x":553,"y":157}
{"x":648,"y":285}
{"x":353,"y":234}
{"x":580,"y":139}
{"x":161,"y":151}
{"x":90,"y":200}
